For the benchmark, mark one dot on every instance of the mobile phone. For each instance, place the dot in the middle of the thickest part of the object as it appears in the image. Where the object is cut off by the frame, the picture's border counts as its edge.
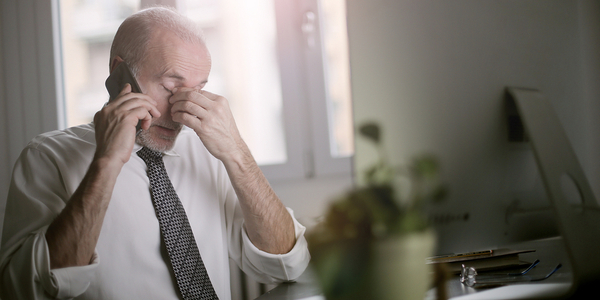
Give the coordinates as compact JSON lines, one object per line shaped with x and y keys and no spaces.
{"x":116,"y":81}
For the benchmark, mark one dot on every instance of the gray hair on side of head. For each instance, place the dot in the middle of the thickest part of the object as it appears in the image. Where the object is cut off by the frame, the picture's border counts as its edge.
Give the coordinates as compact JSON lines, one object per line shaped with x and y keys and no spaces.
{"x":134,"y":34}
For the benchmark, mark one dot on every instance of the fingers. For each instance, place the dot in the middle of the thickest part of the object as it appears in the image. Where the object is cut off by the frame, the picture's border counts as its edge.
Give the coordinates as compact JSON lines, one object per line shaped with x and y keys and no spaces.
{"x":187,"y":105}
{"x":209,"y":95}
{"x":188,"y":120}
{"x":116,"y":123}
{"x":126,"y":90}
{"x":126,"y":94}
{"x":206,"y":100}
{"x":200,"y":110}
{"x":139,"y":105}
{"x":185,"y":94}
{"x":209,"y":116}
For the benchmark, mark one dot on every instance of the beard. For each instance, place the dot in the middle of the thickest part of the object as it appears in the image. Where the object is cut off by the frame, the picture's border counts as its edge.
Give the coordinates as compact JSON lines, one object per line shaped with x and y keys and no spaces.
{"x":156,"y":141}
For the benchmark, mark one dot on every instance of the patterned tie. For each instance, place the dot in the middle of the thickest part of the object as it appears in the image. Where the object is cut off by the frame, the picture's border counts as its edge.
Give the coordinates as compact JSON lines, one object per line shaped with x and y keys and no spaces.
{"x":177,"y":234}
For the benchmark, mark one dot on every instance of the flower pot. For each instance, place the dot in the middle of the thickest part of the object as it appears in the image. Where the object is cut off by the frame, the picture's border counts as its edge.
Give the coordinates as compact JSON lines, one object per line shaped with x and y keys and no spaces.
{"x":398,"y":266}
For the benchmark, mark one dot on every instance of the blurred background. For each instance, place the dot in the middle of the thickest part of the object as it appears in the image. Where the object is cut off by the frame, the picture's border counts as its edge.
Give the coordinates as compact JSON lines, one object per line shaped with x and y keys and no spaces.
{"x":302,"y":74}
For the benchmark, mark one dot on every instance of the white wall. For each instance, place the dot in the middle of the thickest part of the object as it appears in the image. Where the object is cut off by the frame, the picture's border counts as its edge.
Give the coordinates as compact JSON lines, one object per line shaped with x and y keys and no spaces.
{"x":433,"y":73}
{"x":589,"y":11}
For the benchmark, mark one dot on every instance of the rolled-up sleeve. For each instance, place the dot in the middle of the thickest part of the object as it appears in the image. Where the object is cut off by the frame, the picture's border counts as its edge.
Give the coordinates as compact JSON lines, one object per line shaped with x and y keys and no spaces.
{"x":27,"y":275}
{"x":36,"y":196}
{"x":259,"y":265}
{"x":282,"y":267}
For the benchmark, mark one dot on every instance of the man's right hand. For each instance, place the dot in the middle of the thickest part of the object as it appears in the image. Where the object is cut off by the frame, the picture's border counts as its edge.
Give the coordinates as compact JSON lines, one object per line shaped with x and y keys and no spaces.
{"x":116,"y":123}
{"x":73,"y":235}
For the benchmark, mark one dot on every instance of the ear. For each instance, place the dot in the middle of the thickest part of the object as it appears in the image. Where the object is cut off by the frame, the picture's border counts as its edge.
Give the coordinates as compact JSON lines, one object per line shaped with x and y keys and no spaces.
{"x":115,"y":62}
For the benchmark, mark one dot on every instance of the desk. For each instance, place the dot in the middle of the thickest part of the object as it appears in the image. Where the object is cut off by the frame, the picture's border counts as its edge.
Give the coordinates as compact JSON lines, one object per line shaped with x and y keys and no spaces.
{"x":552,"y":251}
{"x":304,"y":287}
{"x":549,"y":251}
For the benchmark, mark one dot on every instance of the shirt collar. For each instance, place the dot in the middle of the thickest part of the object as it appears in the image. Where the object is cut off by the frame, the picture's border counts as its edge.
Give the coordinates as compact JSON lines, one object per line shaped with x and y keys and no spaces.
{"x":137,"y":147}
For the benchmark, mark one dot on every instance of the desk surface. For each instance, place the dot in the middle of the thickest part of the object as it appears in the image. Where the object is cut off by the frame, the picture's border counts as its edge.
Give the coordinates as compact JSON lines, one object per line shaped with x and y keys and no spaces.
{"x":550,"y":252}
{"x":304,"y":287}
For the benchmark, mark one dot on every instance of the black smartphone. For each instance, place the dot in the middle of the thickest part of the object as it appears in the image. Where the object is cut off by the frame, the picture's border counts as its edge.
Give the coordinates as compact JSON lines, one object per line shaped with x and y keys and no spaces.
{"x":116,"y":81}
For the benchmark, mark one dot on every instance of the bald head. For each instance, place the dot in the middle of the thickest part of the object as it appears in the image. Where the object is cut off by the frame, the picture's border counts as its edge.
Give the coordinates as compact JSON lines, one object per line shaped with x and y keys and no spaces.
{"x":133,"y":38}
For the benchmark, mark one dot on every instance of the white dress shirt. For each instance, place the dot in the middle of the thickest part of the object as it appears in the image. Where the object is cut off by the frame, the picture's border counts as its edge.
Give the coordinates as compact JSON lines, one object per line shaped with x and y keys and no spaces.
{"x":130,"y":261}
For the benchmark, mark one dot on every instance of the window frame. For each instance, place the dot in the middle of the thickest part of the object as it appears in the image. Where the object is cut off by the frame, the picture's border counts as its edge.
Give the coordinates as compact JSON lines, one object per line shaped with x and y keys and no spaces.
{"x":324,"y":163}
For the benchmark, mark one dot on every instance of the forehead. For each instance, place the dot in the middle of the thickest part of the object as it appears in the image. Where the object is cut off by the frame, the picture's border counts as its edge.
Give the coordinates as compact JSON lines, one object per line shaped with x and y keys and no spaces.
{"x":169,"y":55}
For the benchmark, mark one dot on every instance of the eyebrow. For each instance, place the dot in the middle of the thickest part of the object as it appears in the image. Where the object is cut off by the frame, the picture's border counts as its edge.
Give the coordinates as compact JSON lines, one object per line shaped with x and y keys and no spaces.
{"x":177,"y":76}
{"x":171,"y":75}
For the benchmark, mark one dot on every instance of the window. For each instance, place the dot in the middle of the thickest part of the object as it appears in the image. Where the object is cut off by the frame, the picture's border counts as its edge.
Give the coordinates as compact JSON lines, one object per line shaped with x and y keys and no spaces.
{"x":87,"y":31}
{"x":285,"y":74}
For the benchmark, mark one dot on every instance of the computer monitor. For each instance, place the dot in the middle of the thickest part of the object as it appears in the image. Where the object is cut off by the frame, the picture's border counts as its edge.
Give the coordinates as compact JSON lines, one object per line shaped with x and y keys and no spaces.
{"x":434,"y":75}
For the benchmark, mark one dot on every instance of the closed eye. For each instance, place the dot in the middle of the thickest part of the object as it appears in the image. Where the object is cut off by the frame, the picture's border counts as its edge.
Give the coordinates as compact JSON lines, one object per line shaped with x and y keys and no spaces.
{"x":166,"y":89}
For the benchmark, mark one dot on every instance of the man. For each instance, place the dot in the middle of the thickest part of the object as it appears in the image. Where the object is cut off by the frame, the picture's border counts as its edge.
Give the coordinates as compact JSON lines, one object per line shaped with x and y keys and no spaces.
{"x":84,"y":216}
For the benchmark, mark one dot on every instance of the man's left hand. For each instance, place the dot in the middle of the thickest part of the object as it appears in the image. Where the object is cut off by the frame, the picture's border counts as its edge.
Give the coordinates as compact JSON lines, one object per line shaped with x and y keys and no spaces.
{"x":210,"y":117}
{"x":269,"y":225}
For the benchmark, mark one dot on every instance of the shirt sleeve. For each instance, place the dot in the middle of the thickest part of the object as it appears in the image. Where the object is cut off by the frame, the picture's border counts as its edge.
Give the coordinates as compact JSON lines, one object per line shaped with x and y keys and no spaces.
{"x":36,"y":196}
{"x":281,"y":267}
{"x":262,"y":266}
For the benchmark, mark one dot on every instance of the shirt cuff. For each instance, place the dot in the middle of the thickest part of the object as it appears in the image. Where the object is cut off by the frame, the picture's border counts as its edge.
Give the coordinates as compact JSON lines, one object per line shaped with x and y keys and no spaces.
{"x":288,"y":266}
{"x":61,"y":283}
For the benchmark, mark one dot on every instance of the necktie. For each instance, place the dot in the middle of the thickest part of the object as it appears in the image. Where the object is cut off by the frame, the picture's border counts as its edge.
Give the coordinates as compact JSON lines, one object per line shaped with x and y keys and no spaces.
{"x":190,"y":273}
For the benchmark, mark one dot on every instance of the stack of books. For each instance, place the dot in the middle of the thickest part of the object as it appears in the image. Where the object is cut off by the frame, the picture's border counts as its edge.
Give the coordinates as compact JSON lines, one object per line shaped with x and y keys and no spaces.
{"x":486,"y":260}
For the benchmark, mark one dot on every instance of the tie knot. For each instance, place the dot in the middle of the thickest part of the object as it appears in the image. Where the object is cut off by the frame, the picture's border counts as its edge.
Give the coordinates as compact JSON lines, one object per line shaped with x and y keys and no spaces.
{"x":149,"y":155}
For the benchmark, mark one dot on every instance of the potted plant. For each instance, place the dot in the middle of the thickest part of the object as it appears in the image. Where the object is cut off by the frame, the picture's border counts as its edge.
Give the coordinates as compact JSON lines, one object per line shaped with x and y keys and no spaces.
{"x":374,"y":239}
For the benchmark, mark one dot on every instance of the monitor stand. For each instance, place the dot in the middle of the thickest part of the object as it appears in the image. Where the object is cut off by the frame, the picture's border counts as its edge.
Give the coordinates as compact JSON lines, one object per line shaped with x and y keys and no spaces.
{"x":570,"y":195}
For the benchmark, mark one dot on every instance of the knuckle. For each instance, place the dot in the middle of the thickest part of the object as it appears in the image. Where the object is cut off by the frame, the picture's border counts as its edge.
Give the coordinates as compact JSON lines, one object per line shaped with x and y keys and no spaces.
{"x":190,"y":95}
{"x":185,"y":117}
{"x":220,"y":109}
{"x":188,"y":118}
{"x":189,"y":106}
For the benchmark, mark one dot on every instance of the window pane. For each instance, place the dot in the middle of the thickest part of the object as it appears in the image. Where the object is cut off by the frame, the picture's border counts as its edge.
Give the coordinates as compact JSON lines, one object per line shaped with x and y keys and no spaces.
{"x":337,"y":76}
{"x":242,"y":38}
{"x":87,"y":30}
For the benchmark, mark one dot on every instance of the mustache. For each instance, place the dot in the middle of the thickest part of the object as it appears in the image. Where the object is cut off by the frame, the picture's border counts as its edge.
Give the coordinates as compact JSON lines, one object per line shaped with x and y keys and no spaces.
{"x":167,"y":124}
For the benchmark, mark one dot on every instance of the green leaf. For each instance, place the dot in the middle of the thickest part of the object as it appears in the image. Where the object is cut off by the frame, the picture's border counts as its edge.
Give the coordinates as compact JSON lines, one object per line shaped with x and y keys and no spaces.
{"x":426,"y":166}
{"x":371,"y":131}
{"x":440,"y":193}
